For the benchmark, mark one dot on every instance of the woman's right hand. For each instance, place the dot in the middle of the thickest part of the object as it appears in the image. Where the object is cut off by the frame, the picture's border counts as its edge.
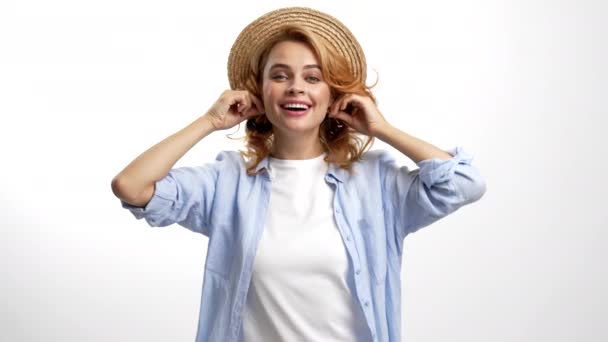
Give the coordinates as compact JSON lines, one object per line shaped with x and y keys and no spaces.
{"x":232,"y":107}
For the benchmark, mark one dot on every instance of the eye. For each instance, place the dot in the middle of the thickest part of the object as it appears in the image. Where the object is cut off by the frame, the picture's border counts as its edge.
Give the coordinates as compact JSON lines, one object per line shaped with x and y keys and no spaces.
{"x":313,"y":79}
{"x":279,"y":77}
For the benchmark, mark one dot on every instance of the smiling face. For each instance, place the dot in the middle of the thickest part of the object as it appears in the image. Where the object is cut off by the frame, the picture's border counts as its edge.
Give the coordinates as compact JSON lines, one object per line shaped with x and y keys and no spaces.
{"x":296,"y":97}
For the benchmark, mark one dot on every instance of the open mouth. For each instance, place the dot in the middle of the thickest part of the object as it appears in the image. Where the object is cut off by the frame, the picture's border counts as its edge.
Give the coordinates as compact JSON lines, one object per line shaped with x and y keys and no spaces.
{"x":295,"y":107}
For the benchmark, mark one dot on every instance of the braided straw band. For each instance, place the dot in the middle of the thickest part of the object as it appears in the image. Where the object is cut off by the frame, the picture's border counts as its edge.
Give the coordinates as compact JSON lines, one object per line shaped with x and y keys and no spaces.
{"x":268,"y":26}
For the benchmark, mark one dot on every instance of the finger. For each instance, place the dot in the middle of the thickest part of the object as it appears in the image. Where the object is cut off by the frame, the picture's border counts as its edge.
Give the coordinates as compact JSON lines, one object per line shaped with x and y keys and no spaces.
{"x":344,"y":104}
{"x":352,"y":104}
{"x":257,"y":103}
{"x":251,"y":112}
{"x":344,"y":117}
{"x":240,"y":99}
{"x":243,"y":111}
{"x":349,"y":100}
{"x":335,"y":107}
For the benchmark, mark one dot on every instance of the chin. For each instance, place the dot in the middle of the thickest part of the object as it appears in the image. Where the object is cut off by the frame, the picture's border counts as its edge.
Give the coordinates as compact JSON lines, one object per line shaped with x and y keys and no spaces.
{"x":295,"y":126}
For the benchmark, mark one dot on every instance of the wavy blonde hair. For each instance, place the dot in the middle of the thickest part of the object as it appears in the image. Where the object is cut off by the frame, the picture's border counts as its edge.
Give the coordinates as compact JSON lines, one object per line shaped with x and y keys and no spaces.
{"x":343,"y":145}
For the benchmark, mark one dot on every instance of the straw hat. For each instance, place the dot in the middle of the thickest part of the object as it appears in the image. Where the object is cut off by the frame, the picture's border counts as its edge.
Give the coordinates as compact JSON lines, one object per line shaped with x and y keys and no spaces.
{"x":268,"y":26}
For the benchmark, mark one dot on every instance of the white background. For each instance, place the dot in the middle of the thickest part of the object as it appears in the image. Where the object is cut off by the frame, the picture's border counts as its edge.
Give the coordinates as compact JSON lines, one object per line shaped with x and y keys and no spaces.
{"x":522,"y":85}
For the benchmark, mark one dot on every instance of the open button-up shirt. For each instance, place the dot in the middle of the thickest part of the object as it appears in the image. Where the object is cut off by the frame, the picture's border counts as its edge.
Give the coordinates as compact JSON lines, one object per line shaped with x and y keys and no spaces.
{"x":375,"y":207}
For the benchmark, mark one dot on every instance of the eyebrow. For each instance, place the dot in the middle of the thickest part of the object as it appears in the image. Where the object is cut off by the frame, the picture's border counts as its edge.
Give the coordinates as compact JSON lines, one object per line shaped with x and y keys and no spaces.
{"x":285,"y":66}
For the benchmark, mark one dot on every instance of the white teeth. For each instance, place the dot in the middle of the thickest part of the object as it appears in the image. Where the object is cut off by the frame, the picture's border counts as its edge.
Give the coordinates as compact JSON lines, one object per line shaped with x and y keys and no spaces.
{"x":295,"y":105}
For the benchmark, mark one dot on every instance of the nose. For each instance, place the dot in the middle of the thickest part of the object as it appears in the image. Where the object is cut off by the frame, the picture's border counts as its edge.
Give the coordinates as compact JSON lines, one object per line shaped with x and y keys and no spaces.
{"x":295,"y":87}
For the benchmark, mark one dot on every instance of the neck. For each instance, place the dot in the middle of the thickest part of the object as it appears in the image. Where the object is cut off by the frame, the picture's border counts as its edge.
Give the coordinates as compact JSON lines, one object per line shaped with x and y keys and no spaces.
{"x":296,"y":147}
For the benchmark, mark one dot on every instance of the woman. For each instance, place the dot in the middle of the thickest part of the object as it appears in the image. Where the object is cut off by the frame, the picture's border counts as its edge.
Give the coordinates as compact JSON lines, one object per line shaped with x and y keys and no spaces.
{"x":305,"y":228}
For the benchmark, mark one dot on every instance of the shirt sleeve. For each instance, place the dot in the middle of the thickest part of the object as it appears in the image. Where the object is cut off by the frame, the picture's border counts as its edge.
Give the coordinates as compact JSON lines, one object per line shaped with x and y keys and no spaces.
{"x":185,"y":196}
{"x":437,"y":188}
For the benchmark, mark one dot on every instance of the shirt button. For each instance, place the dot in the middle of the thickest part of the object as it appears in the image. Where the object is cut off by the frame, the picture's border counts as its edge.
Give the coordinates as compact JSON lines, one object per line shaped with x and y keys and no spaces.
{"x":337,"y":211}
{"x":366,"y":303}
{"x":358,"y":271}
{"x":347,"y":237}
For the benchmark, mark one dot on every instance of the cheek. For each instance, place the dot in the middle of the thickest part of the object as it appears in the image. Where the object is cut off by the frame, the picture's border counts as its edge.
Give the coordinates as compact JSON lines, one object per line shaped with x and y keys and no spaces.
{"x":323,"y":96}
{"x":267,"y":94}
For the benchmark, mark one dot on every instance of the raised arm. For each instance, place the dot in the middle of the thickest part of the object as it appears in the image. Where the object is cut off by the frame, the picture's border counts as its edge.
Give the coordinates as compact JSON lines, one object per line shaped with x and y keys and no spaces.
{"x":135,"y":183}
{"x":367,"y":119}
{"x":444,"y":182}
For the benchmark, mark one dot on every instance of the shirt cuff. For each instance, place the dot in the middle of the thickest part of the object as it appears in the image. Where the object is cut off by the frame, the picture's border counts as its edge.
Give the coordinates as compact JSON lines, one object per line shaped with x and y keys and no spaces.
{"x":433,"y":171}
{"x":158,"y":203}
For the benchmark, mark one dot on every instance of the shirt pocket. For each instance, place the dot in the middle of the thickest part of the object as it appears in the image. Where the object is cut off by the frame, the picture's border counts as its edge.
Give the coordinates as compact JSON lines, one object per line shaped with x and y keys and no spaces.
{"x":374,"y":237}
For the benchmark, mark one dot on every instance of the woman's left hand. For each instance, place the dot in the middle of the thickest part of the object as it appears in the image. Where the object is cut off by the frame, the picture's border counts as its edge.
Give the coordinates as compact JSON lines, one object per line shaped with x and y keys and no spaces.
{"x":359,"y":112}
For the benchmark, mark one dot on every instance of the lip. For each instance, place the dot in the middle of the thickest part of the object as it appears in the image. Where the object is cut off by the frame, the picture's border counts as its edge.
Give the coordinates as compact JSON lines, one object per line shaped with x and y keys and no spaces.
{"x":296,"y":102}
{"x":295,"y":113}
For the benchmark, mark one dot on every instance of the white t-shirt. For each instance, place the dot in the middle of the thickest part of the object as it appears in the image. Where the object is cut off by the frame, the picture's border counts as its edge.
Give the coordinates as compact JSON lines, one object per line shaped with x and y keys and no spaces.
{"x":298,"y":290}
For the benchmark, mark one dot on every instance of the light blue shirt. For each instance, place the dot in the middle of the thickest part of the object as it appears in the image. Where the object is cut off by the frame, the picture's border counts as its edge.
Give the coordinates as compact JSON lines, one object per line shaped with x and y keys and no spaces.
{"x":375,"y":208}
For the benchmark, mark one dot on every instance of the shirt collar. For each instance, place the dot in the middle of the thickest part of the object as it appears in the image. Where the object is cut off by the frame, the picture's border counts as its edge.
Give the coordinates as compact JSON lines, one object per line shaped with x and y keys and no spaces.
{"x":262,"y":165}
{"x":338,"y":173}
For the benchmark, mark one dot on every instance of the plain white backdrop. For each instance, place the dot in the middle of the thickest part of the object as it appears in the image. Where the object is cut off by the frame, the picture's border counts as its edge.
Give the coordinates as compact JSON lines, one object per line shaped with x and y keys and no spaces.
{"x":85,"y":86}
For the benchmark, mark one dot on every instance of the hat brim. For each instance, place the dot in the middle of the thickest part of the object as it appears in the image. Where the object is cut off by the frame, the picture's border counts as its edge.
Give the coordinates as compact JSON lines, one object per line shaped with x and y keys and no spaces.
{"x":258,"y":33}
